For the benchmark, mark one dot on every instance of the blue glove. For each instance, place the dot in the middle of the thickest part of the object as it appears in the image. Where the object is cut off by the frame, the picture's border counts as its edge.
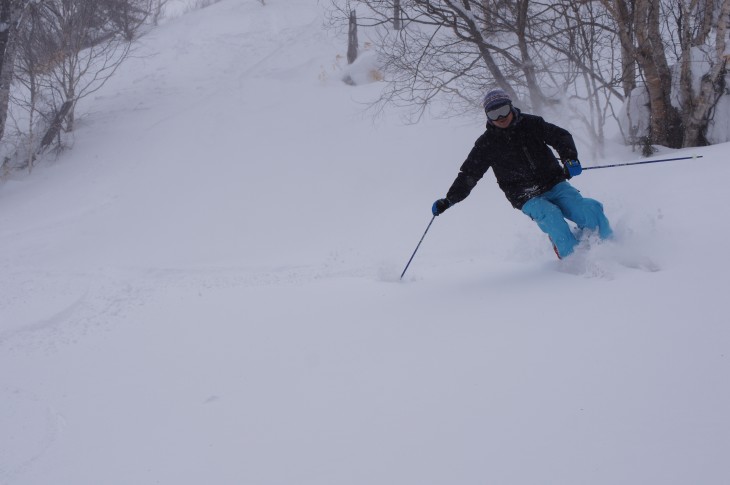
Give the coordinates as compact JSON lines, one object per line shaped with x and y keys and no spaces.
{"x":440,"y":206}
{"x":572,"y":168}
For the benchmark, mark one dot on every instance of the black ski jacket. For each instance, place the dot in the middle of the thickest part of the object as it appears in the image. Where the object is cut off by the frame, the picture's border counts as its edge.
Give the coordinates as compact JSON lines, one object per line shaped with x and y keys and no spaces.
{"x":522,"y":161}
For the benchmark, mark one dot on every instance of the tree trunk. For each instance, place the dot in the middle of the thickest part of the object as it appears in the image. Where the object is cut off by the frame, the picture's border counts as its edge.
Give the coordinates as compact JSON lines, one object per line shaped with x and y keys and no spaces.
{"x":665,"y":122}
{"x":397,"y":13}
{"x":622,"y":12}
{"x":352,"y":38}
{"x":528,"y":66}
{"x":55,"y":129}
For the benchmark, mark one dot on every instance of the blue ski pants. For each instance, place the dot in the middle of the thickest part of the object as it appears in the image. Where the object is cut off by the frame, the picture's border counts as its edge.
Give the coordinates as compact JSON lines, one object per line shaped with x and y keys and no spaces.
{"x":564,"y":201}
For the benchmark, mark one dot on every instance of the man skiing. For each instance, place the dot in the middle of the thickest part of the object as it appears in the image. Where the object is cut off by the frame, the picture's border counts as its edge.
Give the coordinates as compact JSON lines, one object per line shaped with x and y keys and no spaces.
{"x":515,"y":146}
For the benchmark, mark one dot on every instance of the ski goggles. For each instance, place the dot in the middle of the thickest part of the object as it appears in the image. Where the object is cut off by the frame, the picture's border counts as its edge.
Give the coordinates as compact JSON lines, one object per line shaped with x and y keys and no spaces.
{"x":499,"y":113}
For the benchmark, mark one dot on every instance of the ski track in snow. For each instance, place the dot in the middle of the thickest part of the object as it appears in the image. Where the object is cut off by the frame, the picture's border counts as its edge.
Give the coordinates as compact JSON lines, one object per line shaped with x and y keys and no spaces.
{"x":82,"y":304}
{"x":51,"y":308}
{"x":30,"y":426}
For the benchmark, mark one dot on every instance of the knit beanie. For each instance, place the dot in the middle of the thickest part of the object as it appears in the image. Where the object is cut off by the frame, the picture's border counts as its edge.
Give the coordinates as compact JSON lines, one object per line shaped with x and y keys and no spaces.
{"x":495,"y":99}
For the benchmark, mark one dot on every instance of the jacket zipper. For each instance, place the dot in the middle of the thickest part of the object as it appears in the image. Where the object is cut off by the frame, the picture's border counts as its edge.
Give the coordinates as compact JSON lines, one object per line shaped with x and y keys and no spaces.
{"x":529,"y":158}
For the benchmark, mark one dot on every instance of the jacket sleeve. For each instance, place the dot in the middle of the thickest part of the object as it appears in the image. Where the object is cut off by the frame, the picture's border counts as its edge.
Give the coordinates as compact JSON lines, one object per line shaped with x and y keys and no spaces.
{"x":472,"y":170}
{"x":560,"y":139}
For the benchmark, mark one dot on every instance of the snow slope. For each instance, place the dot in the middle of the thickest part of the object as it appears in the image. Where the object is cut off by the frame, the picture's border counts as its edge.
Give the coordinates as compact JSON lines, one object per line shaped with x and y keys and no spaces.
{"x":205,"y":290}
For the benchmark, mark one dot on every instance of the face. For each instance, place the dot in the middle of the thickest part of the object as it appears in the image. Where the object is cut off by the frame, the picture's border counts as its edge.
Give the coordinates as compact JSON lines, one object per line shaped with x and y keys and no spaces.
{"x":504,"y":122}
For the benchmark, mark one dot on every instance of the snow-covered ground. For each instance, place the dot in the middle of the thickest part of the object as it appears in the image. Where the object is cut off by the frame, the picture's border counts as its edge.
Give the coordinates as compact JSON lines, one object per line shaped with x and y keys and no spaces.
{"x":205,"y":290}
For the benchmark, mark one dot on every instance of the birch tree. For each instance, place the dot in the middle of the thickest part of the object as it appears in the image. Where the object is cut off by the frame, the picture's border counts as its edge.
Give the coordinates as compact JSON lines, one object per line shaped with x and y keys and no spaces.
{"x":11,"y":13}
{"x":676,"y":51}
{"x":702,"y":65}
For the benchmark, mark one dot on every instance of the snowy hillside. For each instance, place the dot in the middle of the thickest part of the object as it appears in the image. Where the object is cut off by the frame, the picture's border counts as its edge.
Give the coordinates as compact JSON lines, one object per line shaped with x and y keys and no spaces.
{"x":205,"y":290}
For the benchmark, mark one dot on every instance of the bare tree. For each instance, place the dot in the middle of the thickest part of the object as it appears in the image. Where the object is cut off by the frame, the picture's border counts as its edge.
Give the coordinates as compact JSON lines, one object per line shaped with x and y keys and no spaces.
{"x":581,"y":35}
{"x":458,"y":48}
{"x":89,"y":50}
{"x":70,"y":48}
{"x":428,"y":56}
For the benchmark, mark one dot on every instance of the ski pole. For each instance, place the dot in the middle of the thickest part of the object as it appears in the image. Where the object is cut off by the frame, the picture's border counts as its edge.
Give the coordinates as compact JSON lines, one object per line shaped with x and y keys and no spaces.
{"x":419,"y":245}
{"x":643,"y":162}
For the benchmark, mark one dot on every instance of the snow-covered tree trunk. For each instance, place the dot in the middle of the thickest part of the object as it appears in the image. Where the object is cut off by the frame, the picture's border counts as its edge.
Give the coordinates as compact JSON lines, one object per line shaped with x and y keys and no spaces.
{"x":11,"y":12}
{"x":698,"y":101}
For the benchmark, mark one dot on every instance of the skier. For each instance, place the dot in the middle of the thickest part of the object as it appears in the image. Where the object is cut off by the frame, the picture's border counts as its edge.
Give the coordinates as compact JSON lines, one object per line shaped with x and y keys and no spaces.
{"x":515,"y":145}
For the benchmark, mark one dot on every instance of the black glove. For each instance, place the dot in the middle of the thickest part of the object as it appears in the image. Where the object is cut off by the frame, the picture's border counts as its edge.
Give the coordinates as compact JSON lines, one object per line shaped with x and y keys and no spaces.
{"x":440,"y":206}
{"x":571,"y":168}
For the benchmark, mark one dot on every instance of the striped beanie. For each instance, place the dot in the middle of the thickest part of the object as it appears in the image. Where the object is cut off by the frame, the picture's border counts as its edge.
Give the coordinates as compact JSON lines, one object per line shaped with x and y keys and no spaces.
{"x":495,"y":98}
